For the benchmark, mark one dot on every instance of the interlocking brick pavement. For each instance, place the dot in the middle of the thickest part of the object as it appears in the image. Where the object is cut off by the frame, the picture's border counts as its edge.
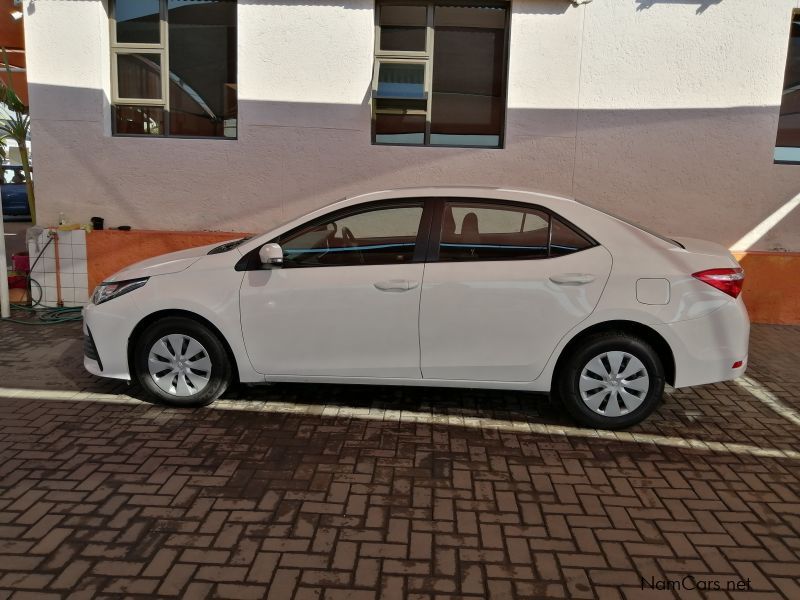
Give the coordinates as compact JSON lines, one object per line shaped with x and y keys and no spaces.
{"x":300,"y":491}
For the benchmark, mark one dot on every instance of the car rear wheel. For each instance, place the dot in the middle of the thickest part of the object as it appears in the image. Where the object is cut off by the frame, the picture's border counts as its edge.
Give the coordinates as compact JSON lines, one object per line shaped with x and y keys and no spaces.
{"x":613,"y":380}
{"x":181,"y":362}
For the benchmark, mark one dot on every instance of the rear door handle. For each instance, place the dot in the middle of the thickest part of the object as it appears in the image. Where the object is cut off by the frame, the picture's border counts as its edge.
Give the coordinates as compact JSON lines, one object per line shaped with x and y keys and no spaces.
{"x":572,"y":278}
{"x":396,"y":285}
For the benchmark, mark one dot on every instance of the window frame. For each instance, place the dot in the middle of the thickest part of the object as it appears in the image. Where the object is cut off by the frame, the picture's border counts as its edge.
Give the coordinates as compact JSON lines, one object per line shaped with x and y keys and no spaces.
{"x":435,"y":237}
{"x":426,"y":56}
{"x":162,"y":48}
{"x":116,"y":52}
{"x":795,"y":17}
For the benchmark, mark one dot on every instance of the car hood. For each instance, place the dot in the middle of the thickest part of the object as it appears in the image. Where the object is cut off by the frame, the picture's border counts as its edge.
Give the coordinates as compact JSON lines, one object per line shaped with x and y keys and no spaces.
{"x":174,"y":262}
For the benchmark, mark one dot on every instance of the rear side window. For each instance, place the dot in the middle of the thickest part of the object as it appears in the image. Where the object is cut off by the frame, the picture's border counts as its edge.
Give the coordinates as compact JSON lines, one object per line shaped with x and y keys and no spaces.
{"x":472,"y":231}
{"x":378,"y":236}
{"x":494,"y":231}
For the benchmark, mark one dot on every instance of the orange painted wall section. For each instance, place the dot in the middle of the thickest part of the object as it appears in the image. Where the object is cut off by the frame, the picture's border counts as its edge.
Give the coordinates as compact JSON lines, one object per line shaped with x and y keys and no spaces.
{"x":11,"y":30}
{"x":18,"y":80}
{"x":12,"y":38}
{"x":771,"y":286}
{"x":771,"y":289}
{"x":108,"y":251}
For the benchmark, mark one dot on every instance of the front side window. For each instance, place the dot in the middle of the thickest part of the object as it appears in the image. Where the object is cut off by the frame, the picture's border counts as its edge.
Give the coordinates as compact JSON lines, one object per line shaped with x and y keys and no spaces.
{"x":787,"y":145}
{"x":378,"y":236}
{"x":490,"y":231}
{"x":440,"y":74}
{"x":174,"y":67}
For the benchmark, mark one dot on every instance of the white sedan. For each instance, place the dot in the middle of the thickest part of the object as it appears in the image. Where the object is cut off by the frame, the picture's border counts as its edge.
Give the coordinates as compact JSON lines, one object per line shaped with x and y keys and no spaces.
{"x":457,"y":287}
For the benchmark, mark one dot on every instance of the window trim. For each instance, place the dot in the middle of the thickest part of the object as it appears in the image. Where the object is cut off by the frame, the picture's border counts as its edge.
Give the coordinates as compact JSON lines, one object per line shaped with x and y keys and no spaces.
{"x":434,"y":239}
{"x":161,"y":48}
{"x":427,"y":57}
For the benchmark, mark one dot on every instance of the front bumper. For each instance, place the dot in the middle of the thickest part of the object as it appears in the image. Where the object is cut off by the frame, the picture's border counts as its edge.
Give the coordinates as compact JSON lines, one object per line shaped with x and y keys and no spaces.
{"x":705,"y":349}
{"x":106,"y":330}
{"x":89,"y":348}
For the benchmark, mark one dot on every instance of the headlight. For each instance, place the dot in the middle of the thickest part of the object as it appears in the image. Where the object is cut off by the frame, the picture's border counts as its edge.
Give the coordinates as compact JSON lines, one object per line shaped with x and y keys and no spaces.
{"x":113,"y":289}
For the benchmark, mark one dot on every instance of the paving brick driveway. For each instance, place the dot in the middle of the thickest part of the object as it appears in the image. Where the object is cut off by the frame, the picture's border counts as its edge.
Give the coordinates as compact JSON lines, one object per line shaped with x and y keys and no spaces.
{"x":335,"y":492}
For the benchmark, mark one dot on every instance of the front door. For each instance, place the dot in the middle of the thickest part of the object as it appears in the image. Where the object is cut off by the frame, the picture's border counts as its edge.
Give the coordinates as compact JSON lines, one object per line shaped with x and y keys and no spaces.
{"x":508,"y":283}
{"x":346,"y":301}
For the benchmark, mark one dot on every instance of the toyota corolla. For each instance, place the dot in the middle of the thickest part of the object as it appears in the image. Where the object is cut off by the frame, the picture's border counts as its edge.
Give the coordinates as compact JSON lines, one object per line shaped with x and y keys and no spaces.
{"x":457,"y":287}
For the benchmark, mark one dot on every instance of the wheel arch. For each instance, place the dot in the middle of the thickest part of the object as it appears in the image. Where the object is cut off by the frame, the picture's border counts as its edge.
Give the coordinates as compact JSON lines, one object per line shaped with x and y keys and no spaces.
{"x":145,"y":322}
{"x":648,"y":334}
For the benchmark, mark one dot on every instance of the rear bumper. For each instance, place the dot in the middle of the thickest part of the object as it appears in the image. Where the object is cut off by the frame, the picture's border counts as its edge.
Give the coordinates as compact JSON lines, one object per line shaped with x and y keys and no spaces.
{"x":705,"y":349}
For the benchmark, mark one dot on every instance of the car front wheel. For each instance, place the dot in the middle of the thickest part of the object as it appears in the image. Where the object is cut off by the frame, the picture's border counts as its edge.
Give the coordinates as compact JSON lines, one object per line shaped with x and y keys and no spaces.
{"x":181,"y":362}
{"x":612,"y":381}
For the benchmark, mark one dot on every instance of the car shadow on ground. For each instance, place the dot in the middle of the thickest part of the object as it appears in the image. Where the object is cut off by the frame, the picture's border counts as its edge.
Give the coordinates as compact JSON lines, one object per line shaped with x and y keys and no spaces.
{"x":727,"y":412}
{"x":465,"y":402}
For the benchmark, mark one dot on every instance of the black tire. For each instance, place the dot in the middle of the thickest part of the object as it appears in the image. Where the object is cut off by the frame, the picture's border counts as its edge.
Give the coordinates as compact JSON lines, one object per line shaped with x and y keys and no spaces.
{"x":219,"y":378}
{"x":568,"y":379}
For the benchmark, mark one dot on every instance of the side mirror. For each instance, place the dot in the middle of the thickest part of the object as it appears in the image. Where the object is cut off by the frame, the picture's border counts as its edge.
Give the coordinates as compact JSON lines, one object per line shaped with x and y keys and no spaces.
{"x":271,"y":255}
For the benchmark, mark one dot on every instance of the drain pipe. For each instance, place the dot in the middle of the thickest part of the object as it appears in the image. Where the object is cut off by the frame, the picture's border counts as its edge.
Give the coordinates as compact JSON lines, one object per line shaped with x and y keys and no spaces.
{"x":5,"y":303}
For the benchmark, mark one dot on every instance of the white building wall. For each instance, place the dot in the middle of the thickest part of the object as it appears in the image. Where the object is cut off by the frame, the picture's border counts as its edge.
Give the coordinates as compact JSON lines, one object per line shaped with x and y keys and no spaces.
{"x":663,"y":111}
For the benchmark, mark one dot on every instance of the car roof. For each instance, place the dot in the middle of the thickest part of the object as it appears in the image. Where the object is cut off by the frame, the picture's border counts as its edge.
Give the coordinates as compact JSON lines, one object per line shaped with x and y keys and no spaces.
{"x":495,"y":193}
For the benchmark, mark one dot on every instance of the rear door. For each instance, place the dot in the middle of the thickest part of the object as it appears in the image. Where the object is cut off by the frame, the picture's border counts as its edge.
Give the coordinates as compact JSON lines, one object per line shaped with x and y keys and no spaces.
{"x":504,"y":282}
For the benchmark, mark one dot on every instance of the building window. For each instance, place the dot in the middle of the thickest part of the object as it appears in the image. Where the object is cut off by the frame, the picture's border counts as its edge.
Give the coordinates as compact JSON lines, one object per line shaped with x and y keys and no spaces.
{"x":173,"y":67}
{"x":788,"y":142}
{"x":440,"y":73}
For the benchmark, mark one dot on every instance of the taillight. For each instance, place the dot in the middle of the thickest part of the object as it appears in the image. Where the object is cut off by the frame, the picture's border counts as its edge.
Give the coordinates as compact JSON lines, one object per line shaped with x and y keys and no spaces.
{"x":729,"y":281}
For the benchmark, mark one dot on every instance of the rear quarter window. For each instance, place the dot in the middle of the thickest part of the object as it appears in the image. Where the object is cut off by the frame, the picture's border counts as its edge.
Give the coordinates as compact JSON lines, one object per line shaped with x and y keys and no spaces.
{"x":565,"y":240}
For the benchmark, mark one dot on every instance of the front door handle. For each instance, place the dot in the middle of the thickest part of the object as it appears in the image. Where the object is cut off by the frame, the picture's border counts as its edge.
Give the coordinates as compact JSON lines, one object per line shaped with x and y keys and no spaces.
{"x":572,"y":278}
{"x":395,"y":285}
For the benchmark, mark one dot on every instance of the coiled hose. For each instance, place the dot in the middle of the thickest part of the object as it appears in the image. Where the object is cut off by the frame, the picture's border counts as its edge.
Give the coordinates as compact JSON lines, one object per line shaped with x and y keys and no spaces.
{"x":41,"y":315}
{"x":46,"y":316}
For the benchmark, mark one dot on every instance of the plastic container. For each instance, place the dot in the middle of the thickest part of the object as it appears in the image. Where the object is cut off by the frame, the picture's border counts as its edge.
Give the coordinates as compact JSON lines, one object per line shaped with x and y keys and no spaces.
{"x":21,"y":262}
{"x":17,"y":282}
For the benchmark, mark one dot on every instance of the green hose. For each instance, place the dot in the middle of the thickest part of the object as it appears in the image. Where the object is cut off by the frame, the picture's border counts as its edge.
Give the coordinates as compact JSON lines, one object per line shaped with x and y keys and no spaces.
{"x":39,"y":314}
{"x":46,"y":316}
